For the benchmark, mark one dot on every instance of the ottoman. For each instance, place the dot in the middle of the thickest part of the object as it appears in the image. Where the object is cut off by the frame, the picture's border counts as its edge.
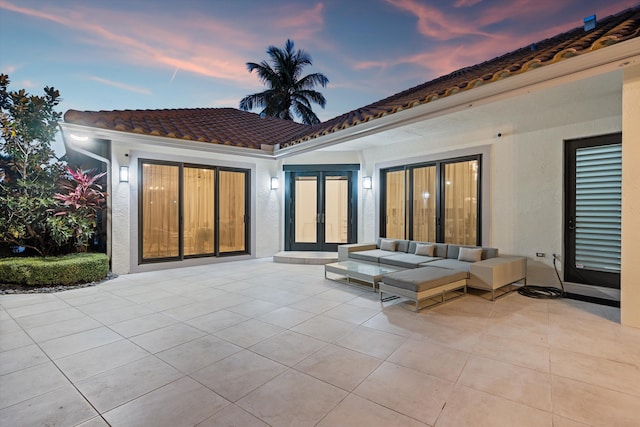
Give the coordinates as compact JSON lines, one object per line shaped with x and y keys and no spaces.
{"x":423,"y":283}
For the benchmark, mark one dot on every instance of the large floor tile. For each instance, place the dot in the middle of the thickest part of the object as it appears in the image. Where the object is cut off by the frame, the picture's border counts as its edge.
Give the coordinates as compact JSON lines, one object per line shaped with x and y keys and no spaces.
{"x":430,"y":358}
{"x":141,"y":325}
{"x":593,"y":405}
{"x":197,"y":354}
{"x":286,"y":317}
{"x":117,"y":386}
{"x":30,"y":382}
{"x":217,"y":321}
{"x":41,"y":307}
{"x":109,"y":317}
{"x":167,"y":337}
{"x":356,"y":411}
{"x":517,"y":352}
{"x":351,"y":313}
{"x":63,"y":406}
{"x":409,"y":392}
{"x":81,"y":341}
{"x":183,"y":403}
{"x":62,"y":328}
{"x":469,"y":407}
{"x":21,"y":358}
{"x":254,"y":308}
{"x":14,"y":340}
{"x":315,"y":305}
{"x":232,"y":416}
{"x":324,"y":328}
{"x":609,"y":374}
{"x":288,"y":347}
{"x":339,"y":366}
{"x":248,"y":333}
{"x":238,"y":374}
{"x":100,"y":359}
{"x":292,"y":399}
{"x":369,"y":341}
{"x":522,"y":385}
{"x":49,"y":317}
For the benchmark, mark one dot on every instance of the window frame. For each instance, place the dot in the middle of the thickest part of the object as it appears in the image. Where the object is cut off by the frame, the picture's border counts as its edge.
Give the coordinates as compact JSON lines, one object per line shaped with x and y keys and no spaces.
{"x":440,"y":165}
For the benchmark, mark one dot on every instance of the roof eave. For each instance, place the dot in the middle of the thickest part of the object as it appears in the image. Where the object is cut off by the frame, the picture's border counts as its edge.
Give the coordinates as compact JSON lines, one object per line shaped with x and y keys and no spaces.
{"x":128,"y":137}
{"x":589,"y":64}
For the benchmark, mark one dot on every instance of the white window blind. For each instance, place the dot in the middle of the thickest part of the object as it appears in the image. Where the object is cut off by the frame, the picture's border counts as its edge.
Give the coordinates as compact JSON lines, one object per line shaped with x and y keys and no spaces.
{"x":598,"y":207}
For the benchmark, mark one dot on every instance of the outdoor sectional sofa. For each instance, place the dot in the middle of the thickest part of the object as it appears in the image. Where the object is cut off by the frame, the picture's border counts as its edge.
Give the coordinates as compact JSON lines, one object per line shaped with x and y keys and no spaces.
{"x":428,"y":269}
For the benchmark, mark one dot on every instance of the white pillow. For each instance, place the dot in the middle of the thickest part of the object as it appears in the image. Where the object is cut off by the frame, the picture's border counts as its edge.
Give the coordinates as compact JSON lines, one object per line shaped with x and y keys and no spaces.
{"x":389,"y":245}
{"x":425,"y":249}
{"x":470,"y":254}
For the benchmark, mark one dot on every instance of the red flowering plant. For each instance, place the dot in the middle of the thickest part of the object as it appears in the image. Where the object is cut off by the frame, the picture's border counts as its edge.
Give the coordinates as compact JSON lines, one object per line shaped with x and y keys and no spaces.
{"x":79,"y":202}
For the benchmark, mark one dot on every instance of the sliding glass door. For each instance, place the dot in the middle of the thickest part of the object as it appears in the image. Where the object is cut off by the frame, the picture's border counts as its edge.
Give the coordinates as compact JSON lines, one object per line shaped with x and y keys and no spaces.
{"x":191,"y":211}
{"x":436,"y":202}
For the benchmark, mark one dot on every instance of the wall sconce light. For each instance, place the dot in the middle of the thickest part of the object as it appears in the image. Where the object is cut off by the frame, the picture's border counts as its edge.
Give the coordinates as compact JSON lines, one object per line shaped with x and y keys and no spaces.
{"x":367,"y":183}
{"x":124,"y":173}
{"x":275,"y":183}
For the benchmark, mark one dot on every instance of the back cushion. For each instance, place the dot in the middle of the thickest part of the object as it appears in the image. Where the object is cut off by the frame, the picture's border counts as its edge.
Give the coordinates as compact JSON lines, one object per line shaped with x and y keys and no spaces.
{"x":388,"y":245}
{"x":425,"y":249}
{"x":470,"y":254}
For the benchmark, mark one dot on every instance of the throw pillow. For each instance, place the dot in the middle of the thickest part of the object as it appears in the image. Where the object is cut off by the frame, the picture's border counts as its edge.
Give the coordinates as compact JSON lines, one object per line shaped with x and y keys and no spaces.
{"x":470,"y":254}
{"x":389,"y":245}
{"x":425,"y":249}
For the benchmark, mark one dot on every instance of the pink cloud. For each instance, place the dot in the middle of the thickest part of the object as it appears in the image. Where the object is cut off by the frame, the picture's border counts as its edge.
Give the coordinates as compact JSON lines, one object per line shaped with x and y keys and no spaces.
{"x":147,"y":41}
{"x":466,"y":3}
{"x":120,"y":85}
{"x":435,"y":24}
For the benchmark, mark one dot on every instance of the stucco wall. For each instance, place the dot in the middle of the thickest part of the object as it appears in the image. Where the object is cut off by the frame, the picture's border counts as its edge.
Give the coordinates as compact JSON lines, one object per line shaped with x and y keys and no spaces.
{"x":630,"y":285}
{"x":265,"y":203}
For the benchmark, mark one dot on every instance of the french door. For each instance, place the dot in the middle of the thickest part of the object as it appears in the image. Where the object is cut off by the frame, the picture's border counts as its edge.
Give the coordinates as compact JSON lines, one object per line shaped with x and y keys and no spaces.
{"x":320,"y":210}
{"x":593,"y":205}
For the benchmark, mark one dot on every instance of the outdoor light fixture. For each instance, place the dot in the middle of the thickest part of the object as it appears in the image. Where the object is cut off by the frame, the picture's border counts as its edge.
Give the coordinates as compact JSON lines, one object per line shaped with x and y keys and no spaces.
{"x":275,"y":183}
{"x":367,"y":184}
{"x":124,"y":173}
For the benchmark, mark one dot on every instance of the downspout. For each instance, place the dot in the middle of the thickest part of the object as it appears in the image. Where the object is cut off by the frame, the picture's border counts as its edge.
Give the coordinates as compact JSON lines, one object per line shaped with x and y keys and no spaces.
{"x":107,"y":162}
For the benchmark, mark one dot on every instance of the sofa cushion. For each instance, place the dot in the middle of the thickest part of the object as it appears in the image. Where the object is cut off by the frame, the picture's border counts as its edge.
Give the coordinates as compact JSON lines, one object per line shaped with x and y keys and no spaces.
{"x":403,"y":260}
{"x":389,"y":245}
{"x":452,"y":264}
{"x":372,"y":255}
{"x":470,"y":254}
{"x":454,"y":250}
{"x":425,"y":249}
{"x":420,"y":279}
{"x":440,"y":250}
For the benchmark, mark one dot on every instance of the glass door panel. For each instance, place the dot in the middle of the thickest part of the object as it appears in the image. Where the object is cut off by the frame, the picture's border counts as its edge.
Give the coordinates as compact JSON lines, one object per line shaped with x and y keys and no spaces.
{"x":336,"y":212}
{"x":232,"y":211}
{"x":460,"y":203}
{"x":395,"y":204}
{"x":160,"y":207}
{"x":424,"y":204}
{"x":199,"y":192}
{"x":306,"y":209}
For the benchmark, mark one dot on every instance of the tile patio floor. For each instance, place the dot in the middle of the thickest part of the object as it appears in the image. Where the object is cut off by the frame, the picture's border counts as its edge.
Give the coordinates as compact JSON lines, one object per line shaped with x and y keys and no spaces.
{"x":255,"y":343}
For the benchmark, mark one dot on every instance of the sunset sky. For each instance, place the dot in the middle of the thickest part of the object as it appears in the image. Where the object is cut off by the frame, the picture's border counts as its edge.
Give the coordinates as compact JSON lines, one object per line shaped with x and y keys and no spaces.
{"x":135,"y":54}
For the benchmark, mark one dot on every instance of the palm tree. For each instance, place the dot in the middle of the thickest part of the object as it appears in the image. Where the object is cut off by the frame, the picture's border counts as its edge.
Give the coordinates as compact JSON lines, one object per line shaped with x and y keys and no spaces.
{"x":287,"y":92}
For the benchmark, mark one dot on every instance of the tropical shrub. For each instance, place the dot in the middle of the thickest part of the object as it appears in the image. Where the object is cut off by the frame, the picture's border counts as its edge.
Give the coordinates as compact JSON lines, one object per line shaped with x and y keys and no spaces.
{"x":61,"y":270}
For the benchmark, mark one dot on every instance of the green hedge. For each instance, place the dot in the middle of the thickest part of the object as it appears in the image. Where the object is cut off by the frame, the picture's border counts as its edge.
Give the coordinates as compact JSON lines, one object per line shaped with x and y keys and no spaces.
{"x":62,"y":270}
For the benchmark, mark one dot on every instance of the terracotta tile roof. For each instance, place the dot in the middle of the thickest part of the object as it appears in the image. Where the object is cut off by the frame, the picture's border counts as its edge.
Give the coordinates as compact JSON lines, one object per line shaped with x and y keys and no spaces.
{"x":228,"y":126}
{"x":225,"y":126}
{"x":613,"y":29}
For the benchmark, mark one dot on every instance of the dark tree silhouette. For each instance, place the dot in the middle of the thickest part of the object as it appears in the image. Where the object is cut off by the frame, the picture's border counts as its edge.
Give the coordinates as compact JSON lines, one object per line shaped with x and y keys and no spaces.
{"x":287,"y":93}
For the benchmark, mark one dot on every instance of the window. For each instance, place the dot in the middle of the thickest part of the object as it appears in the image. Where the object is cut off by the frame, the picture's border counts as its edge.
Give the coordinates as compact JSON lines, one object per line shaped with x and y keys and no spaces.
{"x":191,"y":211}
{"x":434,"y":202}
